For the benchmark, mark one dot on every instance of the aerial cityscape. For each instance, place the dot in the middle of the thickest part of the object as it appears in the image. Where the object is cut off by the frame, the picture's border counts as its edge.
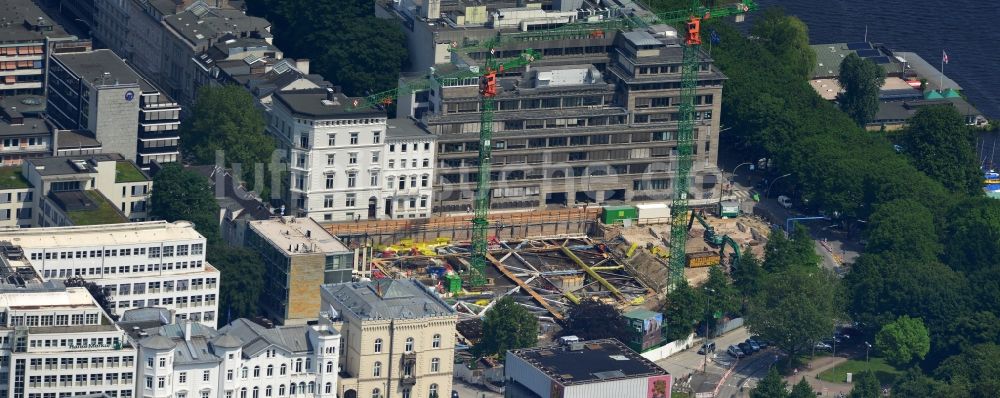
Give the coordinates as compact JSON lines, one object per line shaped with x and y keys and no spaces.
{"x":497,"y":198}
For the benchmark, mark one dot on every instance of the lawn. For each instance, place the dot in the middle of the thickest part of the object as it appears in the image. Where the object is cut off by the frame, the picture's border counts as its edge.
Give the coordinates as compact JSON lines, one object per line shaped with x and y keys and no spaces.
{"x":127,"y":172}
{"x":885,"y":373}
{"x":11,"y":178}
{"x":103,"y":213}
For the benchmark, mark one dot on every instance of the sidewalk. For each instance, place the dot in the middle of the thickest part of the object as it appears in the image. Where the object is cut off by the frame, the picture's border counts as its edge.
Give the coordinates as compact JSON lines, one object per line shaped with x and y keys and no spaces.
{"x":817,"y":366}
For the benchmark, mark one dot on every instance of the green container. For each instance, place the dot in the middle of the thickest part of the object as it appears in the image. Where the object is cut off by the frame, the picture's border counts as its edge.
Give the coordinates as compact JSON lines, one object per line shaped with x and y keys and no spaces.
{"x":453,"y":283}
{"x":615,"y":214}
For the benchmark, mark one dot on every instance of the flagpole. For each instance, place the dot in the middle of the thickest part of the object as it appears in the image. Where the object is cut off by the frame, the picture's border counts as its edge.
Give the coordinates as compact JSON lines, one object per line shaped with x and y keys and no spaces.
{"x":941,"y":80}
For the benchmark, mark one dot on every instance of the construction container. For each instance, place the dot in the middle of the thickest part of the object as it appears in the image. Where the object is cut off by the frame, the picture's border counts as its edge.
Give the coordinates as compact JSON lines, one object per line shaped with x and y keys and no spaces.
{"x":453,"y":283}
{"x":702,"y":259}
{"x":729,"y":209}
{"x":653,"y":213}
{"x":617,"y":214}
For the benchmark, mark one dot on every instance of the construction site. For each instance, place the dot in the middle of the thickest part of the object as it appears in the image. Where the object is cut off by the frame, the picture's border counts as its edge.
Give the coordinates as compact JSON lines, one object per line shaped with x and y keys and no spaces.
{"x":623,"y":263}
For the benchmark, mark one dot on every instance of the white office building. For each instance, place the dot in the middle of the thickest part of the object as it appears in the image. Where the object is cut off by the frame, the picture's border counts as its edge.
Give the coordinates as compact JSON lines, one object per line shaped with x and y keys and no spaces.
{"x":340,"y":158}
{"x":144,"y":264}
{"x":409,"y":171}
{"x":241,"y":360}
{"x":58,"y":342}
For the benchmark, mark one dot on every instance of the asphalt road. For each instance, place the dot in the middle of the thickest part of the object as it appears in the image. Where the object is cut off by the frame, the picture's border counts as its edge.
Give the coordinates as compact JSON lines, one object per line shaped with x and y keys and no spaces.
{"x":689,"y":364}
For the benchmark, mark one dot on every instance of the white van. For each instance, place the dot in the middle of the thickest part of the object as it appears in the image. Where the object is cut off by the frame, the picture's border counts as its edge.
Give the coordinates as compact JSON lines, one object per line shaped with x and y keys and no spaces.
{"x":785,"y":202}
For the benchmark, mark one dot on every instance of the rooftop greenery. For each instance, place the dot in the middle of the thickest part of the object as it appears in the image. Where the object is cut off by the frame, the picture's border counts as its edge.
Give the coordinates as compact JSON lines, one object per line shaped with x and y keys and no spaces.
{"x":11,"y":178}
{"x":125,"y":171}
{"x":104,"y":213}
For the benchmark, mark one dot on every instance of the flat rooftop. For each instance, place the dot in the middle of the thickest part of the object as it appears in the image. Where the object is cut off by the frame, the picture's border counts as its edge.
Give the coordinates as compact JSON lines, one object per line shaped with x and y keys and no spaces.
{"x":295,"y":236}
{"x":87,"y":207}
{"x":321,"y":103}
{"x":71,"y":297}
{"x":16,"y":12}
{"x":829,"y":57}
{"x":103,"y":235}
{"x":92,"y":66}
{"x":599,"y":360}
{"x":67,"y":165}
{"x":76,"y":139}
{"x":405,"y":129}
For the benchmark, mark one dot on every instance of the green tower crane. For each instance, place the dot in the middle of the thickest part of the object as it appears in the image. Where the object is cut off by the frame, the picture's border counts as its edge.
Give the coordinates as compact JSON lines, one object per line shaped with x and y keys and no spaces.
{"x":691,"y":18}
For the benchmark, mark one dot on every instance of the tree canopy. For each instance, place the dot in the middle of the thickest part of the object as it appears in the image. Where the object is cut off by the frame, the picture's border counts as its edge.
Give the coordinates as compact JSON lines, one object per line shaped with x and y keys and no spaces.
{"x":771,"y":386}
{"x":683,"y":308}
{"x":933,"y":247}
{"x":241,"y":281}
{"x":795,"y":308}
{"x":226,"y":121}
{"x":861,"y":80}
{"x":802,"y":389}
{"x":594,"y":319}
{"x":788,"y":38}
{"x":506,"y":326}
{"x":180,"y":194}
{"x":866,"y":385}
{"x":345,"y":41}
{"x":903,"y":341}
{"x":940,"y":144}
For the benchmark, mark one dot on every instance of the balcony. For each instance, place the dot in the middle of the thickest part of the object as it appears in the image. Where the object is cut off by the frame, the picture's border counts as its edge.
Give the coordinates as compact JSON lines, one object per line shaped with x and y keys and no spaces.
{"x":408,"y":380}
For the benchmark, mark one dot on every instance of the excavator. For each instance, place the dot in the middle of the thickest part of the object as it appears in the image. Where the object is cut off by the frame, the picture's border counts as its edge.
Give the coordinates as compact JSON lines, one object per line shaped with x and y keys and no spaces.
{"x":715,"y":240}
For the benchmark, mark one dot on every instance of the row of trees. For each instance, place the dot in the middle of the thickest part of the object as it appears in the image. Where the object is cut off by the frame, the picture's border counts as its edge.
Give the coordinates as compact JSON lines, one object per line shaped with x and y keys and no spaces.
{"x":933,"y":252}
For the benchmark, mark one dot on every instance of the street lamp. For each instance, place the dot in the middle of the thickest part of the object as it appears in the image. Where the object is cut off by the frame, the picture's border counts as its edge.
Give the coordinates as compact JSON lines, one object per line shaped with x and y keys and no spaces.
{"x":867,"y":347}
{"x":721,"y":192}
{"x":767,"y":192}
{"x":708,"y":332}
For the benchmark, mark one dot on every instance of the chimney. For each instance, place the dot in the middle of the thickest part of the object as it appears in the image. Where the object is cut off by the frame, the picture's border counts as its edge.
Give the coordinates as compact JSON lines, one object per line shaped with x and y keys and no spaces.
{"x":302,"y":65}
{"x":187,"y":329}
{"x":329,"y":94}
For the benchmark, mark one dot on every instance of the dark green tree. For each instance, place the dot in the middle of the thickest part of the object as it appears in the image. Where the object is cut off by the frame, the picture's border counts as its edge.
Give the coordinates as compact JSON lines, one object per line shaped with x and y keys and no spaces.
{"x":903,"y":226}
{"x":802,"y":389}
{"x":974,"y":373}
{"x":903,"y":341}
{"x":940,"y":144}
{"x":747,"y":277}
{"x":795,"y":308}
{"x":225,"y":121}
{"x":721,"y":296}
{"x":594,"y":319}
{"x":972,"y":236}
{"x":787,"y":37}
{"x":861,"y":80}
{"x":506,"y":326}
{"x":683,"y":308}
{"x":916,"y":384}
{"x":771,"y":386}
{"x":866,"y":385}
{"x":797,"y":251}
{"x":241,"y":281}
{"x":180,"y":194}
{"x":344,"y":39}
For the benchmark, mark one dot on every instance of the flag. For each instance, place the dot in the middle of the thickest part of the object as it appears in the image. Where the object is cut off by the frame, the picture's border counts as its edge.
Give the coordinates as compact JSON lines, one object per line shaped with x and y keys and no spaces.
{"x":714,"y":37}
{"x":944,"y":56}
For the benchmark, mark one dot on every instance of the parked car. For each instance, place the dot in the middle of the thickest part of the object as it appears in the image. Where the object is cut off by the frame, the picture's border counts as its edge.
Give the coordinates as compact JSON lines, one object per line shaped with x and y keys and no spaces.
{"x":707,"y":348}
{"x":753,"y":344}
{"x":823,"y":346}
{"x":746,"y":348}
{"x":760,"y":342}
{"x":454,"y":394}
{"x":735,"y":352}
{"x":785,"y":202}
